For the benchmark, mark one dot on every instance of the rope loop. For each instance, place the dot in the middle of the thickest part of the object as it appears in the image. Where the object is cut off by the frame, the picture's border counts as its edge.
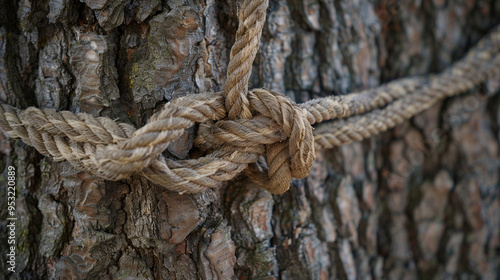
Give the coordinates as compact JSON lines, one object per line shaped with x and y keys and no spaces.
{"x":294,"y":156}
{"x":279,"y":130}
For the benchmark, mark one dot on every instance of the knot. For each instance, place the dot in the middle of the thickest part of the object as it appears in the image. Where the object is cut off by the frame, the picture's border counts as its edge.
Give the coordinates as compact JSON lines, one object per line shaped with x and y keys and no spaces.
{"x":279,"y":130}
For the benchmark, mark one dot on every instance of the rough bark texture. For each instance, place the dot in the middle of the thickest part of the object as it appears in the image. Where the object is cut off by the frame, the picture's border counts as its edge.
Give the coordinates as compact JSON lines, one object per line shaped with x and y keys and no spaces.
{"x":418,"y":202}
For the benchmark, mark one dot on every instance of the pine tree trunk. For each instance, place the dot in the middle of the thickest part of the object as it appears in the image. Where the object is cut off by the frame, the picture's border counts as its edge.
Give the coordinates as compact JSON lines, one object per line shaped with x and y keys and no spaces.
{"x":417,"y":202}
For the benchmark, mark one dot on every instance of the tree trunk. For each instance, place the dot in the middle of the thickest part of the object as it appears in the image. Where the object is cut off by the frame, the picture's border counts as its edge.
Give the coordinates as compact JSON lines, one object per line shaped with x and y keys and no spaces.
{"x":417,"y":202}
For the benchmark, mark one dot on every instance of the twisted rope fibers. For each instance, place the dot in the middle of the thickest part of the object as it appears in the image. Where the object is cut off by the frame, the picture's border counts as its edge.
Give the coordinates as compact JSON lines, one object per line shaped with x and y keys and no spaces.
{"x":238,"y":127}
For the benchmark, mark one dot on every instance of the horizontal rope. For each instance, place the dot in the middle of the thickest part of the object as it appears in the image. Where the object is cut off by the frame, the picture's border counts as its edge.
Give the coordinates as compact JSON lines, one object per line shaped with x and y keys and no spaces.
{"x":237,"y":128}
{"x":480,"y":64}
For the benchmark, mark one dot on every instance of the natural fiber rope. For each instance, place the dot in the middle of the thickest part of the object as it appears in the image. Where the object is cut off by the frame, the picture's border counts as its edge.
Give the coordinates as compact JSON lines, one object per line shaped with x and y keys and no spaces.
{"x":237,"y":127}
{"x":252,"y":16}
{"x":480,"y":64}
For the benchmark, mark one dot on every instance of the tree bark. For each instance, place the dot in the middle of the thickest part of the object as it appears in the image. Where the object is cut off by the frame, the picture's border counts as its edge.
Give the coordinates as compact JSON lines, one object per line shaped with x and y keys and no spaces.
{"x":417,"y":202}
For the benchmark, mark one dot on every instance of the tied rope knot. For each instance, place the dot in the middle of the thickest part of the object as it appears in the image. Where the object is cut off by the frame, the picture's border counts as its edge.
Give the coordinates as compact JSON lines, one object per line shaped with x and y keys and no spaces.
{"x":278,"y":130}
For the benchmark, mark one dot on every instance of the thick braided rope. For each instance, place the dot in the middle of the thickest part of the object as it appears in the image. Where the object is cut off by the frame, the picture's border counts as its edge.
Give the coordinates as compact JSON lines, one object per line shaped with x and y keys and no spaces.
{"x":343,"y":106}
{"x":480,"y":64}
{"x":64,"y":135}
{"x":252,"y":16}
{"x":278,"y":129}
{"x":477,"y":66}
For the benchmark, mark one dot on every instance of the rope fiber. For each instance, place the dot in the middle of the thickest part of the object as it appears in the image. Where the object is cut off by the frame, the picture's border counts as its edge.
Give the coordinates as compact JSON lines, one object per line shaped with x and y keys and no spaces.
{"x":259,"y":132}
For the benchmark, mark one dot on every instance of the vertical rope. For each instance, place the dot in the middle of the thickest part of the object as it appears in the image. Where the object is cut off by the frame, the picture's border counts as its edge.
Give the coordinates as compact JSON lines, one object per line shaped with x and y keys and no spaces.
{"x":251,"y":16}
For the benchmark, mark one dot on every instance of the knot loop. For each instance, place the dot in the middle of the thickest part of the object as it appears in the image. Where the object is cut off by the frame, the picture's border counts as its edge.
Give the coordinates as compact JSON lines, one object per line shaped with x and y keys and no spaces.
{"x":294,"y":156}
{"x":279,"y":130}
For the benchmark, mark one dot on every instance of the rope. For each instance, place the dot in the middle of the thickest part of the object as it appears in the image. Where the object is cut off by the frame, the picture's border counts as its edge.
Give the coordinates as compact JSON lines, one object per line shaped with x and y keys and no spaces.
{"x":238,"y":128}
{"x":252,"y":16}
{"x":480,"y":64}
